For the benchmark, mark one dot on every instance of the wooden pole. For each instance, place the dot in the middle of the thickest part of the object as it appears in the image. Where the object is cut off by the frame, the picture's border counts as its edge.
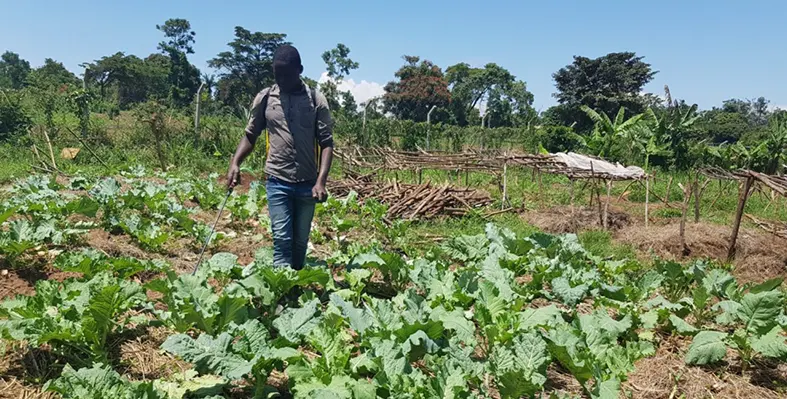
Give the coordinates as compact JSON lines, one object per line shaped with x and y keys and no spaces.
{"x":744,"y":195}
{"x":606,"y":205}
{"x":669,"y":189}
{"x":505,"y":184}
{"x":647,"y":200}
{"x":684,"y":211}
{"x":571,"y":194}
{"x":87,"y":148}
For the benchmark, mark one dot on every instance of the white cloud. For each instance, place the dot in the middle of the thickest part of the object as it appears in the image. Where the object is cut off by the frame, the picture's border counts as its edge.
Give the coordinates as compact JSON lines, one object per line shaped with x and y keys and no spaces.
{"x":361,"y":91}
{"x":775,"y":107}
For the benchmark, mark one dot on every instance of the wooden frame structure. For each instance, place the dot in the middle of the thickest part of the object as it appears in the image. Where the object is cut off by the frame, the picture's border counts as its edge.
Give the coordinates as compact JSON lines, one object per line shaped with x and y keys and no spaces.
{"x":748,"y":178}
{"x":496,"y":162}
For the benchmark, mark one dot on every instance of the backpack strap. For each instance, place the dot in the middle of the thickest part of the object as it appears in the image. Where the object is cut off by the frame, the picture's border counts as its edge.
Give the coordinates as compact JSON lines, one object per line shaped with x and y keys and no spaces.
{"x":317,"y":148}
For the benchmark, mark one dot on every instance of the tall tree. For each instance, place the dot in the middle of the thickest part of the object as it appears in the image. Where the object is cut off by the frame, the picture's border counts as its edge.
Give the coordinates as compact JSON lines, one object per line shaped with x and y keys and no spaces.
{"x":248,"y":67}
{"x":339,"y":64}
{"x":604,"y":84}
{"x":504,"y":94}
{"x":183,"y":76}
{"x":13,"y":71}
{"x":127,"y":79}
{"x":420,"y":85}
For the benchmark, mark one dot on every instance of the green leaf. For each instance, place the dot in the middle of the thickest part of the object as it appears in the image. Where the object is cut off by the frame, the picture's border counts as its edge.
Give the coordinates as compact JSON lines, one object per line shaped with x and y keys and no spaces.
{"x":771,"y":344}
{"x":567,"y":294}
{"x":295,"y":323}
{"x":521,"y":369}
{"x":99,"y":382}
{"x":758,"y":311}
{"x":223,"y":264}
{"x":707,"y":347}
{"x":729,"y":312}
{"x":84,"y":206}
{"x":681,"y":326}
{"x":189,"y":384}
{"x":209,"y":355}
{"x":769,"y":285}
{"x":359,"y":319}
{"x":7,"y":214}
{"x":607,"y":389}
{"x":545,"y":316}
{"x":455,"y":321}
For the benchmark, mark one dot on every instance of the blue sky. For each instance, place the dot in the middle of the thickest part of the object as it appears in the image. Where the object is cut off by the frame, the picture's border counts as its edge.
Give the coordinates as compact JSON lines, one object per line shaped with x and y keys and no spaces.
{"x":706,"y":51}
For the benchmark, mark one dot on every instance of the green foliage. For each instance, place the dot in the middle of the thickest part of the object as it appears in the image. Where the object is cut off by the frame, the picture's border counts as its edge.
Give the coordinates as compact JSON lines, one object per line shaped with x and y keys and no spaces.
{"x":99,"y":382}
{"x":606,"y":83}
{"x":248,"y":67}
{"x":13,"y":120}
{"x":420,"y":85}
{"x":13,"y":71}
{"x":75,"y":318}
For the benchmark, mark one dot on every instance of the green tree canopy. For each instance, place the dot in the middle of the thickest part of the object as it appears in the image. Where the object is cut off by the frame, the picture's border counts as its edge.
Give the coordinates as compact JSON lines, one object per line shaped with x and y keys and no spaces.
{"x":13,"y":71}
{"x":52,"y":75}
{"x":184,"y":78}
{"x":248,"y":67}
{"x":604,"y":84}
{"x":420,"y":86}
{"x":128,"y":79}
{"x":505,"y":95}
{"x":339,"y":64}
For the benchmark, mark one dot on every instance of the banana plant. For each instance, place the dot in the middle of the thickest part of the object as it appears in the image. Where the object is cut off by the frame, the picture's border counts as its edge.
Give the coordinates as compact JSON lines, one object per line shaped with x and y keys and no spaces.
{"x":608,"y":132}
{"x":776,"y":144}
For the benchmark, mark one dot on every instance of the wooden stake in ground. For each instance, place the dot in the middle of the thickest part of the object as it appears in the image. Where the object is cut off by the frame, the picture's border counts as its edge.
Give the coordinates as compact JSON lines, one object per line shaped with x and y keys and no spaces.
{"x":647,"y":200}
{"x":505,"y":185}
{"x":684,"y":211}
{"x":571,"y":194}
{"x":744,"y":195}
{"x":698,"y":191}
{"x":49,"y":144}
{"x":669,"y":188}
{"x":606,"y":205}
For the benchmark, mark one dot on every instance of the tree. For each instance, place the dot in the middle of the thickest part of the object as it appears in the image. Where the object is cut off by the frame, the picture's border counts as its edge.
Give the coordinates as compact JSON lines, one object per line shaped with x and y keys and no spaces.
{"x":420,"y":86}
{"x":13,"y":71}
{"x":511,"y":105}
{"x":339,"y":64}
{"x":127,"y":79}
{"x":604,"y":84}
{"x":248,"y":67}
{"x":180,"y":36}
{"x":52,"y":75}
{"x":183,"y":76}
{"x":505,"y":95}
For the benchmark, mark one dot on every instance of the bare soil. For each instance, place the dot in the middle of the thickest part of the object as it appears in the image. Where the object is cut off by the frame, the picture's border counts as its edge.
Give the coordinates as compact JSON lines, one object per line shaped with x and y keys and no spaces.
{"x":11,"y":285}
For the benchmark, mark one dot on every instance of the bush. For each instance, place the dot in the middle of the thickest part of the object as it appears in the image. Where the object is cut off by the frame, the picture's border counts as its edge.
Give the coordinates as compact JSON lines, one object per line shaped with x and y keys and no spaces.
{"x":14,"y":121}
{"x":559,"y":139}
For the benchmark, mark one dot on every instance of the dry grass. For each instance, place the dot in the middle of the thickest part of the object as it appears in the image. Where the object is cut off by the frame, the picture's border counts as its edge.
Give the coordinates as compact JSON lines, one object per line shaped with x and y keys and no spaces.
{"x":142,"y":359}
{"x":760,"y":256}
{"x":562,"y":219}
{"x":666,"y":375}
{"x":14,"y":389}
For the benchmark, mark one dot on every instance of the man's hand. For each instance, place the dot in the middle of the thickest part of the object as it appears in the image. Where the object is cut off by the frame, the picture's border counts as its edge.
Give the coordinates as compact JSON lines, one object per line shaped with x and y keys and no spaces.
{"x":233,"y":176}
{"x":318,"y":192}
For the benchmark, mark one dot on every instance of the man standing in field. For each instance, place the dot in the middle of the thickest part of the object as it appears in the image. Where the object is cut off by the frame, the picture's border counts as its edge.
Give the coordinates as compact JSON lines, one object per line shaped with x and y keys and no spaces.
{"x":299,"y":150}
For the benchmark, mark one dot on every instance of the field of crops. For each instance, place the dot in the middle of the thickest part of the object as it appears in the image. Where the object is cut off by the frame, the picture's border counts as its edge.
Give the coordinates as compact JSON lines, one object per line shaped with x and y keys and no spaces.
{"x":492,"y":315}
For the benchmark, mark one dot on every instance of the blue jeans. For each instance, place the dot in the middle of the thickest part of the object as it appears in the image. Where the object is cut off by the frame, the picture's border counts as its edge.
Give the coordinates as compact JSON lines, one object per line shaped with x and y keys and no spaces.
{"x":291,"y":208}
